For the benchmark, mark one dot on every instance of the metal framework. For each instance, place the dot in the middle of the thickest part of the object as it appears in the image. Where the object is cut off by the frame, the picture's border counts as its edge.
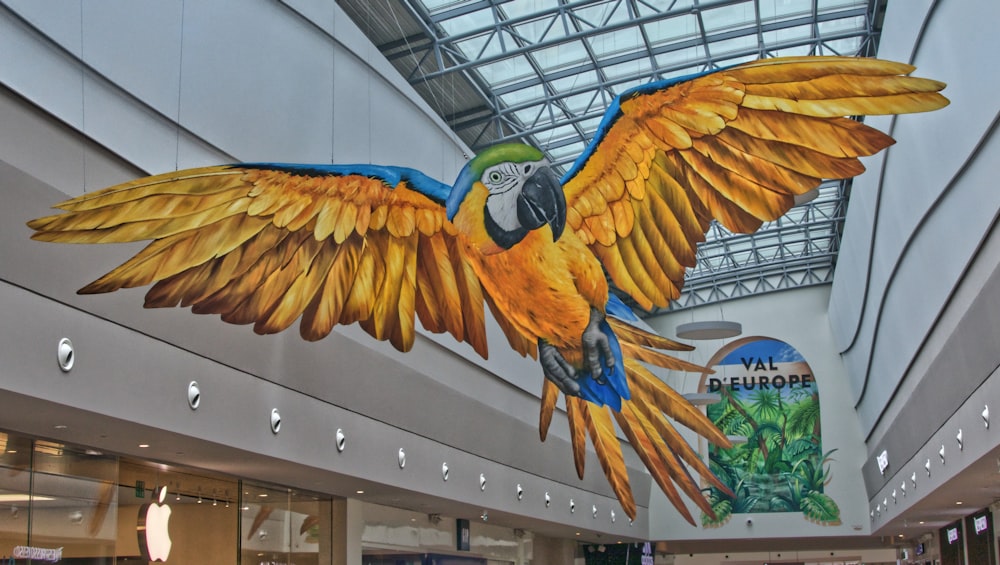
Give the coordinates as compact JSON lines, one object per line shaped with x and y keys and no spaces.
{"x":542,"y":72}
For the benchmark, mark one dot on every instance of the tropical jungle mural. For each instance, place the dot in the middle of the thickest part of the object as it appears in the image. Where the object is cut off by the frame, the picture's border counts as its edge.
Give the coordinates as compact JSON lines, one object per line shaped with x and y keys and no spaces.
{"x":270,"y":244}
{"x":769,"y":396}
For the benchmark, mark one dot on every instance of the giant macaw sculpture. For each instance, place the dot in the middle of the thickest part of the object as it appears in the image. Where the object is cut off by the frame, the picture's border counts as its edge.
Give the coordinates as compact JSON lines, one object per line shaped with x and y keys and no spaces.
{"x":270,"y":244}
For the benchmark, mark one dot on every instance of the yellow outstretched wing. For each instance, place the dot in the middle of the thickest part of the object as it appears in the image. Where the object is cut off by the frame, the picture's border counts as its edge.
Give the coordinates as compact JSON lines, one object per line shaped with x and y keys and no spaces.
{"x":269,"y":244}
{"x":735,"y":145}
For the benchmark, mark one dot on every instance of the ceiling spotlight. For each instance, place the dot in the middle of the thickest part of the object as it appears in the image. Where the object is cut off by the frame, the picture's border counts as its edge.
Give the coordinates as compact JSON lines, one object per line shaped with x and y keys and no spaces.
{"x":65,"y":355}
{"x":986,"y":416}
{"x":958,"y":437}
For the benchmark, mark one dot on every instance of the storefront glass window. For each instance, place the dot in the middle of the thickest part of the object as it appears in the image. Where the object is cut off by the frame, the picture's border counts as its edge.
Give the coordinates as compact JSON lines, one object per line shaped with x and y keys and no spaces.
{"x":15,"y":489}
{"x":78,"y":506}
{"x":283,"y":526}
{"x":73,"y":509}
{"x":196,"y":523}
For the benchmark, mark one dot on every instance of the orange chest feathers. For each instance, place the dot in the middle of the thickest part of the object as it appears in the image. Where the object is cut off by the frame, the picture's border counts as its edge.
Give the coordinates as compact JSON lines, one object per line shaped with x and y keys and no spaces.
{"x":545,"y":288}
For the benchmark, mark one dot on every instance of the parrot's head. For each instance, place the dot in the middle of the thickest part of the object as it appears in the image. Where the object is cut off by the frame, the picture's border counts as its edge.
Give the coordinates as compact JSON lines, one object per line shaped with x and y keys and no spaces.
{"x":505,"y":192}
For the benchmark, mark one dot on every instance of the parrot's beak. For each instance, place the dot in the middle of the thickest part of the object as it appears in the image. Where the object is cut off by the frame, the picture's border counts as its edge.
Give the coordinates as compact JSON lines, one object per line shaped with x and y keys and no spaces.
{"x":542,"y":201}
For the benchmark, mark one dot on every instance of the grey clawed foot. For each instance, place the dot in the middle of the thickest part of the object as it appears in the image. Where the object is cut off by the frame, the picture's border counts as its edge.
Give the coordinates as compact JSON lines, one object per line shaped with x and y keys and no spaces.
{"x":557,"y":369}
{"x":595,"y":344}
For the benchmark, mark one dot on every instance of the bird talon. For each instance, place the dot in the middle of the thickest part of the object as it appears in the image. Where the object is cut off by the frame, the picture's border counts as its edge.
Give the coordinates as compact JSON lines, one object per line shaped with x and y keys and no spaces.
{"x":557,"y":369}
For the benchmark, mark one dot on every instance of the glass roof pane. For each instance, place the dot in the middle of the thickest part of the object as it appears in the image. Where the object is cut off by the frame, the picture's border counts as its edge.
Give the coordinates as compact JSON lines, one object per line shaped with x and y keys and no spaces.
{"x":790,"y":34}
{"x":847,"y":46}
{"x":827,"y":6}
{"x":529,"y":116}
{"x":560,"y":56}
{"x":546,"y":29}
{"x":673,"y":30}
{"x":468,"y":21}
{"x":558,"y":133}
{"x":521,"y":8}
{"x":623,"y":86}
{"x":580,"y":88}
{"x":479,"y":46}
{"x":581,"y":102}
{"x":599,"y":14}
{"x":650,"y":7}
{"x":574,"y":82}
{"x":788,"y":8}
{"x":506,"y":70}
{"x":613,"y":43}
{"x":794,"y":51}
{"x":639,"y":67}
{"x":564,"y":151}
{"x":735,"y":45}
{"x":680,"y":57}
{"x":590,"y":125}
{"x":523,"y":95}
{"x":728,"y":17}
{"x":841,"y":25}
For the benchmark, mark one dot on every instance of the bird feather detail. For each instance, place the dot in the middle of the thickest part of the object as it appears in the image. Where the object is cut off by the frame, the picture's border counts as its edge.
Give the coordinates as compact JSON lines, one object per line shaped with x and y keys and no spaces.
{"x":271,"y":244}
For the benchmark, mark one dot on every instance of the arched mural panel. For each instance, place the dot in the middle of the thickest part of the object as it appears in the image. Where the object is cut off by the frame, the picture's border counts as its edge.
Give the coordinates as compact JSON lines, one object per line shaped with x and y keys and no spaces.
{"x":770,"y":397}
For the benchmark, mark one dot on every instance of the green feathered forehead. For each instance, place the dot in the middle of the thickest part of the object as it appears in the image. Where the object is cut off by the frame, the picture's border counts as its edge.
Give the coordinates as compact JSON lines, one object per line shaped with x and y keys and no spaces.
{"x":504,"y":153}
{"x":473,"y":170}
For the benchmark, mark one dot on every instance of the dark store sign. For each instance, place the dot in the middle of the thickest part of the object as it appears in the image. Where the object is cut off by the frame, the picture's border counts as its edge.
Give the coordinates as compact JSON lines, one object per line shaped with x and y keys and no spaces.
{"x":462,"y":535}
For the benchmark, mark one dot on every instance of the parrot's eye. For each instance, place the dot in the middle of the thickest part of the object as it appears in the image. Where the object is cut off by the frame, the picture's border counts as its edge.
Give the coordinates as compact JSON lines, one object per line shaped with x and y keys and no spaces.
{"x":495,"y":176}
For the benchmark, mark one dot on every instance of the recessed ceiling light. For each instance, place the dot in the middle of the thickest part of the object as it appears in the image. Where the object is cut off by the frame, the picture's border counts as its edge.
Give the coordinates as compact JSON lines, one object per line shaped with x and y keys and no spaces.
{"x":60,"y":426}
{"x":958,"y":502}
{"x":359,"y":492}
{"x":143,"y":445}
{"x":578,"y":533}
{"x":921,"y":522}
{"x":262,"y":495}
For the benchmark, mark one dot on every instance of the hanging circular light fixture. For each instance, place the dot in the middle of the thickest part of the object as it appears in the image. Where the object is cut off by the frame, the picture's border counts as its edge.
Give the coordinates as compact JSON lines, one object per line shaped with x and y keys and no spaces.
{"x":711,"y":329}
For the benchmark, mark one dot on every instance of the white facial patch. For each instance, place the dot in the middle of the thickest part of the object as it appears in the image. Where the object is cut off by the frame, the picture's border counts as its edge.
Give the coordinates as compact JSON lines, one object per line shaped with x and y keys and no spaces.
{"x":504,"y":181}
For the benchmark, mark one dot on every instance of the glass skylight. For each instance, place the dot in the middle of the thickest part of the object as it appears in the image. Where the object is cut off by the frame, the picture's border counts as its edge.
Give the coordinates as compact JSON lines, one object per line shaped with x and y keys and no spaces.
{"x":543,"y":71}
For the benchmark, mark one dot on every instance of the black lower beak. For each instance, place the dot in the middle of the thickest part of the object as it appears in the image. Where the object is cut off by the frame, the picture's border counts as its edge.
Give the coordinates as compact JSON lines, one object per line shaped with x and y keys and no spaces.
{"x":542,"y":201}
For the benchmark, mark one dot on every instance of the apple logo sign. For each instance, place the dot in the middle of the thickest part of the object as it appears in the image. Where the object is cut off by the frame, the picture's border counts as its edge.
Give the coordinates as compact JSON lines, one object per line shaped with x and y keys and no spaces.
{"x":152,"y":529}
